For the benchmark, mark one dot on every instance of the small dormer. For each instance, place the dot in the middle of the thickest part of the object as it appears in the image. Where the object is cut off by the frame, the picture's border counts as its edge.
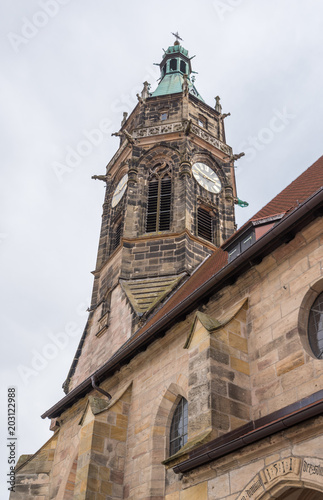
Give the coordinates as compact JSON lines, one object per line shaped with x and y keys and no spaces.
{"x":245,"y":237}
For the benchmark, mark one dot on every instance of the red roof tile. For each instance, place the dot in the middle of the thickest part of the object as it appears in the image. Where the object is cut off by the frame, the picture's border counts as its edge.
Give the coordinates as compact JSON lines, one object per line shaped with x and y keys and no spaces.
{"x":296,"y":192}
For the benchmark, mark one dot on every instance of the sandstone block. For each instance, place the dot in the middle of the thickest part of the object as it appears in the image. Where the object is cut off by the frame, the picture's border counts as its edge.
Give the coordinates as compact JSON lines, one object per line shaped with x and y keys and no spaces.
{"x":239,"y":365}
{"x":290,"y":363}
{"x":237,"y":342}
{"x":198,"y":492}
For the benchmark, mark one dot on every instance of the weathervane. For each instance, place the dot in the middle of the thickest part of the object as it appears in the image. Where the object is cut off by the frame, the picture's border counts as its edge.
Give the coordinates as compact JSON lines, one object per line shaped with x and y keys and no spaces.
{"x":176,"y":35}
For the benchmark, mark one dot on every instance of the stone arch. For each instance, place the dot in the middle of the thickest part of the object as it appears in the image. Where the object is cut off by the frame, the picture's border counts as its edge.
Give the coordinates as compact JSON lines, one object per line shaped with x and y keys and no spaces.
{"x":285,"y":478}
{"x":303,"y":314}
{"x":161,"y":164}
{"x":293,"y":490}
{"x":159,"y":435}
{"x":159,"y":152}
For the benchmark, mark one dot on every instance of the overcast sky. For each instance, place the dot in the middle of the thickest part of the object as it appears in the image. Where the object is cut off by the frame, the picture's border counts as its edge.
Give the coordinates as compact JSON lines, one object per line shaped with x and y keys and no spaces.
{"x":69,"y":69}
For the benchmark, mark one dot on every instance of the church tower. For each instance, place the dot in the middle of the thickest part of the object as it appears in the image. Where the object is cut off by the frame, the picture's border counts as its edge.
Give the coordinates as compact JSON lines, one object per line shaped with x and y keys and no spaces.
{"x":169,"y":203}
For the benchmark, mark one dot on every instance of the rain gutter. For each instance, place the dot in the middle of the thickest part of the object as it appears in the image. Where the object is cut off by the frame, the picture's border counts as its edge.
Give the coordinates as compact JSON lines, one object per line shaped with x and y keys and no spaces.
{"x":282,"y":232}
{"x":261,"y":428}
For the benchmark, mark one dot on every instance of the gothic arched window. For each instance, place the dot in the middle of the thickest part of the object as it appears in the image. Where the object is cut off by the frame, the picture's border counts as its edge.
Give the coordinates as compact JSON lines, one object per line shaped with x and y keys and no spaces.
{"x":178,"y":428}
{"x":315,"y":327}
{"x":159,"y":204}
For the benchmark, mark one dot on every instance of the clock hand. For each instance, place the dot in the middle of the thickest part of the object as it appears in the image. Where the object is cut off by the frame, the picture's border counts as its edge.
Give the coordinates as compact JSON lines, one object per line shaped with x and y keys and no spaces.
{"x":209,"y":178}
{"x":120,"y":189}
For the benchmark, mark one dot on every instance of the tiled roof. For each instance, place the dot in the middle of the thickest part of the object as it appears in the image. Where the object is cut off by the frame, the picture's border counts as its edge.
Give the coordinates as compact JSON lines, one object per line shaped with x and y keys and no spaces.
{"x":146,"y":293}
{"x":295,"y":193}
{"x":205,"y":276}
{"x":289,"y":198}
{"x":210,"y":267}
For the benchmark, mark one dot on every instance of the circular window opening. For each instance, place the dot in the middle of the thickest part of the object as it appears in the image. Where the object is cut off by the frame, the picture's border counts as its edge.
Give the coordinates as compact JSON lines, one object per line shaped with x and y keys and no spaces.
{"x":315,"y":327}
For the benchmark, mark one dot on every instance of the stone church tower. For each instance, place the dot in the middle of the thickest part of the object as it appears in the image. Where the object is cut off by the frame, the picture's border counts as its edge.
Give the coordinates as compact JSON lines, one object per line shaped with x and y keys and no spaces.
{"x":199,"y":374}
{"x":169,"y":202}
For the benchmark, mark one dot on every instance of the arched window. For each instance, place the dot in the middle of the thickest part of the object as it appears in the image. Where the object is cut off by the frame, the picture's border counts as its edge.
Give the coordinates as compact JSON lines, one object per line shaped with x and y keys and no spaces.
{"x":183,"y":67}
{"x":159,"y":204}
{"x":173,"y":64}
{"x":315,"y":327}
{"x":178,"y":428}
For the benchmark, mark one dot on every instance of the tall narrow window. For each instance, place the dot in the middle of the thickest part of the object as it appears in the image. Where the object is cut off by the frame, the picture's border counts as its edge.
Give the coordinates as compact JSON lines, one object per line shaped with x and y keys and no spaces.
{"x":178,"y":428}
{"x":183,"y":67}
{"x":117,"y":231}
{"x":173,"y":64}
{"x":202,"y":121}
{"x":103,"y":322}
{"x":315,"y":327}
{"x":204,"y":224}
{"x":159,"y":205}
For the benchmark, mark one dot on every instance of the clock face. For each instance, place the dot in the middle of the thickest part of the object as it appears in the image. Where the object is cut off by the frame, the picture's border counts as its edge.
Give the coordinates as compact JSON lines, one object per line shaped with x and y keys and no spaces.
{"x":119,"y":190}
{"x":205,"y":176}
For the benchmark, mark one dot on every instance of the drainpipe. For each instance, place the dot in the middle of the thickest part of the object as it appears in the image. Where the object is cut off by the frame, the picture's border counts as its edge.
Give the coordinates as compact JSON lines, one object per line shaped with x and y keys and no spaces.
{"x":96,"y":387}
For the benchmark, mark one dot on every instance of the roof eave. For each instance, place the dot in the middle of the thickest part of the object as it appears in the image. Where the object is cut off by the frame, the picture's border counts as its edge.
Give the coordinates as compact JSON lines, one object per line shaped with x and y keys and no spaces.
{"x":253,"y":431}
{"x":283,"y":231}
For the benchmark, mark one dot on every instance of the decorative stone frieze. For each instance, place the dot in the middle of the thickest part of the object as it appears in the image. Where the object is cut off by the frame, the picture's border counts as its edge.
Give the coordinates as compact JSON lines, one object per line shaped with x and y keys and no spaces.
{"x":180,"y":127}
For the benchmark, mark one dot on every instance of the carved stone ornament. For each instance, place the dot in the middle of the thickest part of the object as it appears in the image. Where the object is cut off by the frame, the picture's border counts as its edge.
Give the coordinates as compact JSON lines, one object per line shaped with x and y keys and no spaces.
{"x":181,"y":127}
{"x":132,"y":174}
{"x":160,"y":170}
{"x":205,"y":200}
{"x":158,"y":130}
{"x":185,"y":85}
{"x":211,"y":140}
{"x":185,"y":169}
{"x":228,"y":192}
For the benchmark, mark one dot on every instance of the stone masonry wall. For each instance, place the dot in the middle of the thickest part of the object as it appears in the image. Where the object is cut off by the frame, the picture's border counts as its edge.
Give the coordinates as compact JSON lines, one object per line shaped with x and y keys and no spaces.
{"x":97,"y":350}
{"x":258,"y":356}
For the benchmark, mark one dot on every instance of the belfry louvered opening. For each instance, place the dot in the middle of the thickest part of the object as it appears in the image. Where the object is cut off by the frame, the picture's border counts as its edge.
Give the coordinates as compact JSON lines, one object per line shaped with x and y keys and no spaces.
{"x":204,"y":224}
{"x":117,"y":235}
{"x":159,"y":205}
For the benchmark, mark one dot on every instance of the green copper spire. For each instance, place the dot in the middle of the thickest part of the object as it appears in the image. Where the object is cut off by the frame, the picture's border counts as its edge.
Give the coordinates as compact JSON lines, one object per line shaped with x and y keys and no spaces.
{"x":174,"y":66}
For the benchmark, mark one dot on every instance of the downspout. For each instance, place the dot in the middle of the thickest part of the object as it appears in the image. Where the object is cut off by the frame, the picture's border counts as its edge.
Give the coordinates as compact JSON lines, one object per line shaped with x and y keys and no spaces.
{"x":97,"y":388}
